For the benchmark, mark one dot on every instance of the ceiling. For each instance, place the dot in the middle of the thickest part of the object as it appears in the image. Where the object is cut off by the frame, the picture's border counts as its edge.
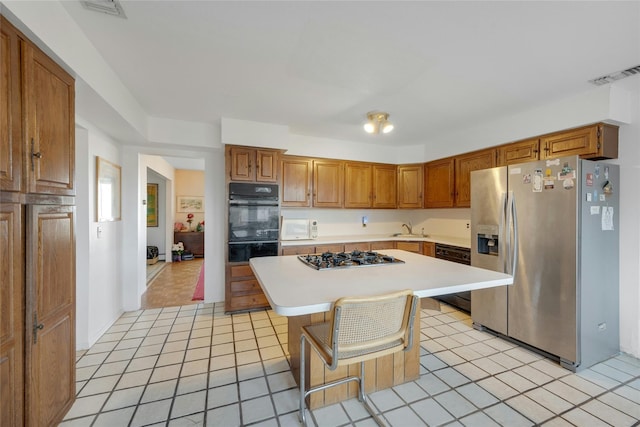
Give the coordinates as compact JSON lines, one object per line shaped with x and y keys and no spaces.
{"x":319,"y":67}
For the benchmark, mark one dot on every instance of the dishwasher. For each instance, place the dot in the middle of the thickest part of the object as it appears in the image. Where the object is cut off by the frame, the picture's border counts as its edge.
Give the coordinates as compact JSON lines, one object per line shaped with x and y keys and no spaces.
{"x":461,"y":300}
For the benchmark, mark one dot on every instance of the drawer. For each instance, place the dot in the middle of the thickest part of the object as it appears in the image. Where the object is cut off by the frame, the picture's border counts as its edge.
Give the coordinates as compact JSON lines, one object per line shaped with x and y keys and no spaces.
{"x":329,"y":248}
{"x":297,"y":250}
{"x":410,"y":246}
{"x":379,"y":246}
{"x":243,"y":270}
{"x":245,"y":287}
{"x":247,"y":302}
{"x":362,"y":246}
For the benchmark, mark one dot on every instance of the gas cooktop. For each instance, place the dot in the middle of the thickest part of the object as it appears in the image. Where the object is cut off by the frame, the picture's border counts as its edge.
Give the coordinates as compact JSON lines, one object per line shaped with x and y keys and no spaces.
{"x":331,"y":260}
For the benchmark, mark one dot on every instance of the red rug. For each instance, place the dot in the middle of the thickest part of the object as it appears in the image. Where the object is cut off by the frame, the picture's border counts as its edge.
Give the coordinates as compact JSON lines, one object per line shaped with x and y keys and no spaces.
{"x":198,"y":294}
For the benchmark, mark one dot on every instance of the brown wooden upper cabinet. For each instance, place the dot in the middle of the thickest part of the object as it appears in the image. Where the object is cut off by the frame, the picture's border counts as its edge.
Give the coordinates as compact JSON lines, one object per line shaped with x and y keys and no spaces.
{"x":49,"y":124}
{"x":599,"y":141}
{"x":296,"y":173}
{"x":410,"y":184}
{"x":10,"y":110}
{"x":328,"y":183}
{"x":385,"y":186}
{"x":465,"y":164}
{"x":43,"y":162}
{"x":439,"y":184}
{"x":370,"y":185}
{"x":312,"y":183}
{"x":518,"y":152}
{"x":254,"y":165}
{"x":358,"y":185}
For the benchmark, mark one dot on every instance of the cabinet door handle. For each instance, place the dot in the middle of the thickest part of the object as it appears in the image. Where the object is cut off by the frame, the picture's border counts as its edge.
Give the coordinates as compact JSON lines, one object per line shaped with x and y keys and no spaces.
{"x":36,"y":327}
{"x":34,"y":155}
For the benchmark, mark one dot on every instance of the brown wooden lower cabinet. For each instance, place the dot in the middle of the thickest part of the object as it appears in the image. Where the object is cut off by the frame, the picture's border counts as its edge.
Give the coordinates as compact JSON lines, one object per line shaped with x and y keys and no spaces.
{"x":425,"y":248}
{"x":11,"y":315}
{"x":429,"y":249}
{"x":380,"y":246}
{"x":243,"y":292}
{"x":415,"y":247}
{"x":50,"y":343}
{"x":361,"y":246}
{"x":297,"y":250}
{"x":339,"y":247}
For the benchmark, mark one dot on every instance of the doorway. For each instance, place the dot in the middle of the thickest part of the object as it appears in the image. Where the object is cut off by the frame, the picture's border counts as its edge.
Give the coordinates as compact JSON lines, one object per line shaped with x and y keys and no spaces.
{"x":172,"y":220}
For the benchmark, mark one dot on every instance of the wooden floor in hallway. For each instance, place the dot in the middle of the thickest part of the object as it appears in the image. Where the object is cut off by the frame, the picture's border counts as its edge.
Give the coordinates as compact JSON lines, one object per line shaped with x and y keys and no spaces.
{"x":174,"y":285}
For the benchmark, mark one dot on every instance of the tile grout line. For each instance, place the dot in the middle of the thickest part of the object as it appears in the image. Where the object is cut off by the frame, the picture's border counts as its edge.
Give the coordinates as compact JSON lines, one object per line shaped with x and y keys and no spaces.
{"x":541,"y":385}
{"x":199,"y":308}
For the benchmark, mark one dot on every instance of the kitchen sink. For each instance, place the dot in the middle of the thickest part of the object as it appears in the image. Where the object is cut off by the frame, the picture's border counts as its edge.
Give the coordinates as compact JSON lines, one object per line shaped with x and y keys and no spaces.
{"x":407,"y":235}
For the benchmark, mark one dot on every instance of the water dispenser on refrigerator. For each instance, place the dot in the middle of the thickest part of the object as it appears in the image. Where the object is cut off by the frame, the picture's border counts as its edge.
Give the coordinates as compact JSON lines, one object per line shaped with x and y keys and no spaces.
{"x":488,"y":239}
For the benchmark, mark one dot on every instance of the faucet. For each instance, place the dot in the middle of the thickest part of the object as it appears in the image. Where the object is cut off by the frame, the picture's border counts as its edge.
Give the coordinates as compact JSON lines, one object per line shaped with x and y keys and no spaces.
{"x":409,"y":227}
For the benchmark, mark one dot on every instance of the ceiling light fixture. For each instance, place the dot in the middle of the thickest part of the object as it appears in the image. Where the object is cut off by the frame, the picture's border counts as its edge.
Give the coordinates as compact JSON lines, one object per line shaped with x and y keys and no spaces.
{"x":378,"y":122}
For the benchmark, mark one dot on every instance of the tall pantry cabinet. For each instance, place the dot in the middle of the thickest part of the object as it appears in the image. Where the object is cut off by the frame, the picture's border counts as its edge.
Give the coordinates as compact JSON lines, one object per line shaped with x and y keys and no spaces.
{"x":37,"y":235}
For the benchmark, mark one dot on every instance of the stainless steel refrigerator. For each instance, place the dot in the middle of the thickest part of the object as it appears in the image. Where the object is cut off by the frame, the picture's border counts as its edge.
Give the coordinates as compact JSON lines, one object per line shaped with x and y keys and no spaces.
{"x":553,"y":225}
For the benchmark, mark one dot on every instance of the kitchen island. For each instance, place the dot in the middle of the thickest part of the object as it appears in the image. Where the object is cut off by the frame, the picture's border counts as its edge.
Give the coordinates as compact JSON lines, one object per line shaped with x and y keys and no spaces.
{"x":305,"y":295}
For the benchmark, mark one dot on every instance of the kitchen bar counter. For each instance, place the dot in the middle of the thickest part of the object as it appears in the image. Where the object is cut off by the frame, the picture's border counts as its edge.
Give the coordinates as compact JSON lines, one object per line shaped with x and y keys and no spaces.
{"x":294,"y":288}
{"x":305,"y":295}
{"x":447,"y":240}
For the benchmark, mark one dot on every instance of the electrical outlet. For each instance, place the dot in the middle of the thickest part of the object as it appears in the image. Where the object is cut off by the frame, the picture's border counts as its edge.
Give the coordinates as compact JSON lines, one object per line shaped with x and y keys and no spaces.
{"x":468,"y":226}
{"x":365,"y":221}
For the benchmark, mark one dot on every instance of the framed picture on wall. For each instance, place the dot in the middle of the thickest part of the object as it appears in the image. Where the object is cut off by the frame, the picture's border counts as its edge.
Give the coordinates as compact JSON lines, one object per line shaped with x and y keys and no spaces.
{"x":190,"y":204}
{"x":108,"y":188}
{"x":152,"y":205}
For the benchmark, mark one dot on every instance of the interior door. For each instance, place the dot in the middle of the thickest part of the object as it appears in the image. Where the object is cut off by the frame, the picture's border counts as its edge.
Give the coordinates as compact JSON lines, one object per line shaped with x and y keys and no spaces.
{"x":50,"y":313}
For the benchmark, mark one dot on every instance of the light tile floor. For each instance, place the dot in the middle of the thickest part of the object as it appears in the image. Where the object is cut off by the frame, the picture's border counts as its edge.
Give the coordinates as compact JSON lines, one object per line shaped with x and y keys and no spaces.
{"x":193,"y":365}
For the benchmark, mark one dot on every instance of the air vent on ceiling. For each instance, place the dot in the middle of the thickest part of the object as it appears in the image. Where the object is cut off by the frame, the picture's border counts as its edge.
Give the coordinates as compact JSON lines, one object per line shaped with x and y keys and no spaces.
{"x":110,"y":7}
{"x":610,"y":78}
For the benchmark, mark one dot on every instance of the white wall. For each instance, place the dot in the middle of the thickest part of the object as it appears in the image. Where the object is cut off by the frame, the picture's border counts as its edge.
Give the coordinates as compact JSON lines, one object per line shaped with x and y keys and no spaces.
{"x":98,"y":256}
{"x":134,"y":249}
{"x":629,"y":160}
{"x":385,"y":222}
{"x":215,"y":226}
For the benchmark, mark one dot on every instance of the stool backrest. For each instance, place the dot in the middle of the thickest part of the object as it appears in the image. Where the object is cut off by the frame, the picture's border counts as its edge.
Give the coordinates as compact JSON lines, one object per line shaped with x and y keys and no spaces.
{"x":383,"y":322}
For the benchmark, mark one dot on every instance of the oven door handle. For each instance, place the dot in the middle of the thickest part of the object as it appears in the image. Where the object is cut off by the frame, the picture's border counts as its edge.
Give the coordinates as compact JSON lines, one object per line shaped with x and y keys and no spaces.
{"x":244,"y":242}
{"x":253,"y":202}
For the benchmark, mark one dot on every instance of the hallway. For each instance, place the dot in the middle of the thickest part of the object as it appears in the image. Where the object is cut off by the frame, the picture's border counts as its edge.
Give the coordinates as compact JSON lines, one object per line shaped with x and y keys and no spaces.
{"x":174,"y":285}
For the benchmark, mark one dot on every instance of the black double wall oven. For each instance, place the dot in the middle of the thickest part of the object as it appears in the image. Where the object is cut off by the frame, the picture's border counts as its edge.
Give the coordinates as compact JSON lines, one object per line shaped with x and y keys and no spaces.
{"x":254,"y":221}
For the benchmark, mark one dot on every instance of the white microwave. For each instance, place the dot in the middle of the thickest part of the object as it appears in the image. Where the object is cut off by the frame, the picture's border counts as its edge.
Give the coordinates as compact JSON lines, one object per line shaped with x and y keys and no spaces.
{"x":299,"y":229}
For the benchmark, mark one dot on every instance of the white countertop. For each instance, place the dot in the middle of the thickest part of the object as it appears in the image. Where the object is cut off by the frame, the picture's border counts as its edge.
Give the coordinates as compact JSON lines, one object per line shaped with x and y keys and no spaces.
{"x":453,"y":241}
{"x":294,"y":289}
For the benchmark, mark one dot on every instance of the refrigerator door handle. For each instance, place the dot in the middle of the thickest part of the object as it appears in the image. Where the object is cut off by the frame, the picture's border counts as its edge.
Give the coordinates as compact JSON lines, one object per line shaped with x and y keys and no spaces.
{"x":502,"y":233}
{"x":512,"y":219}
